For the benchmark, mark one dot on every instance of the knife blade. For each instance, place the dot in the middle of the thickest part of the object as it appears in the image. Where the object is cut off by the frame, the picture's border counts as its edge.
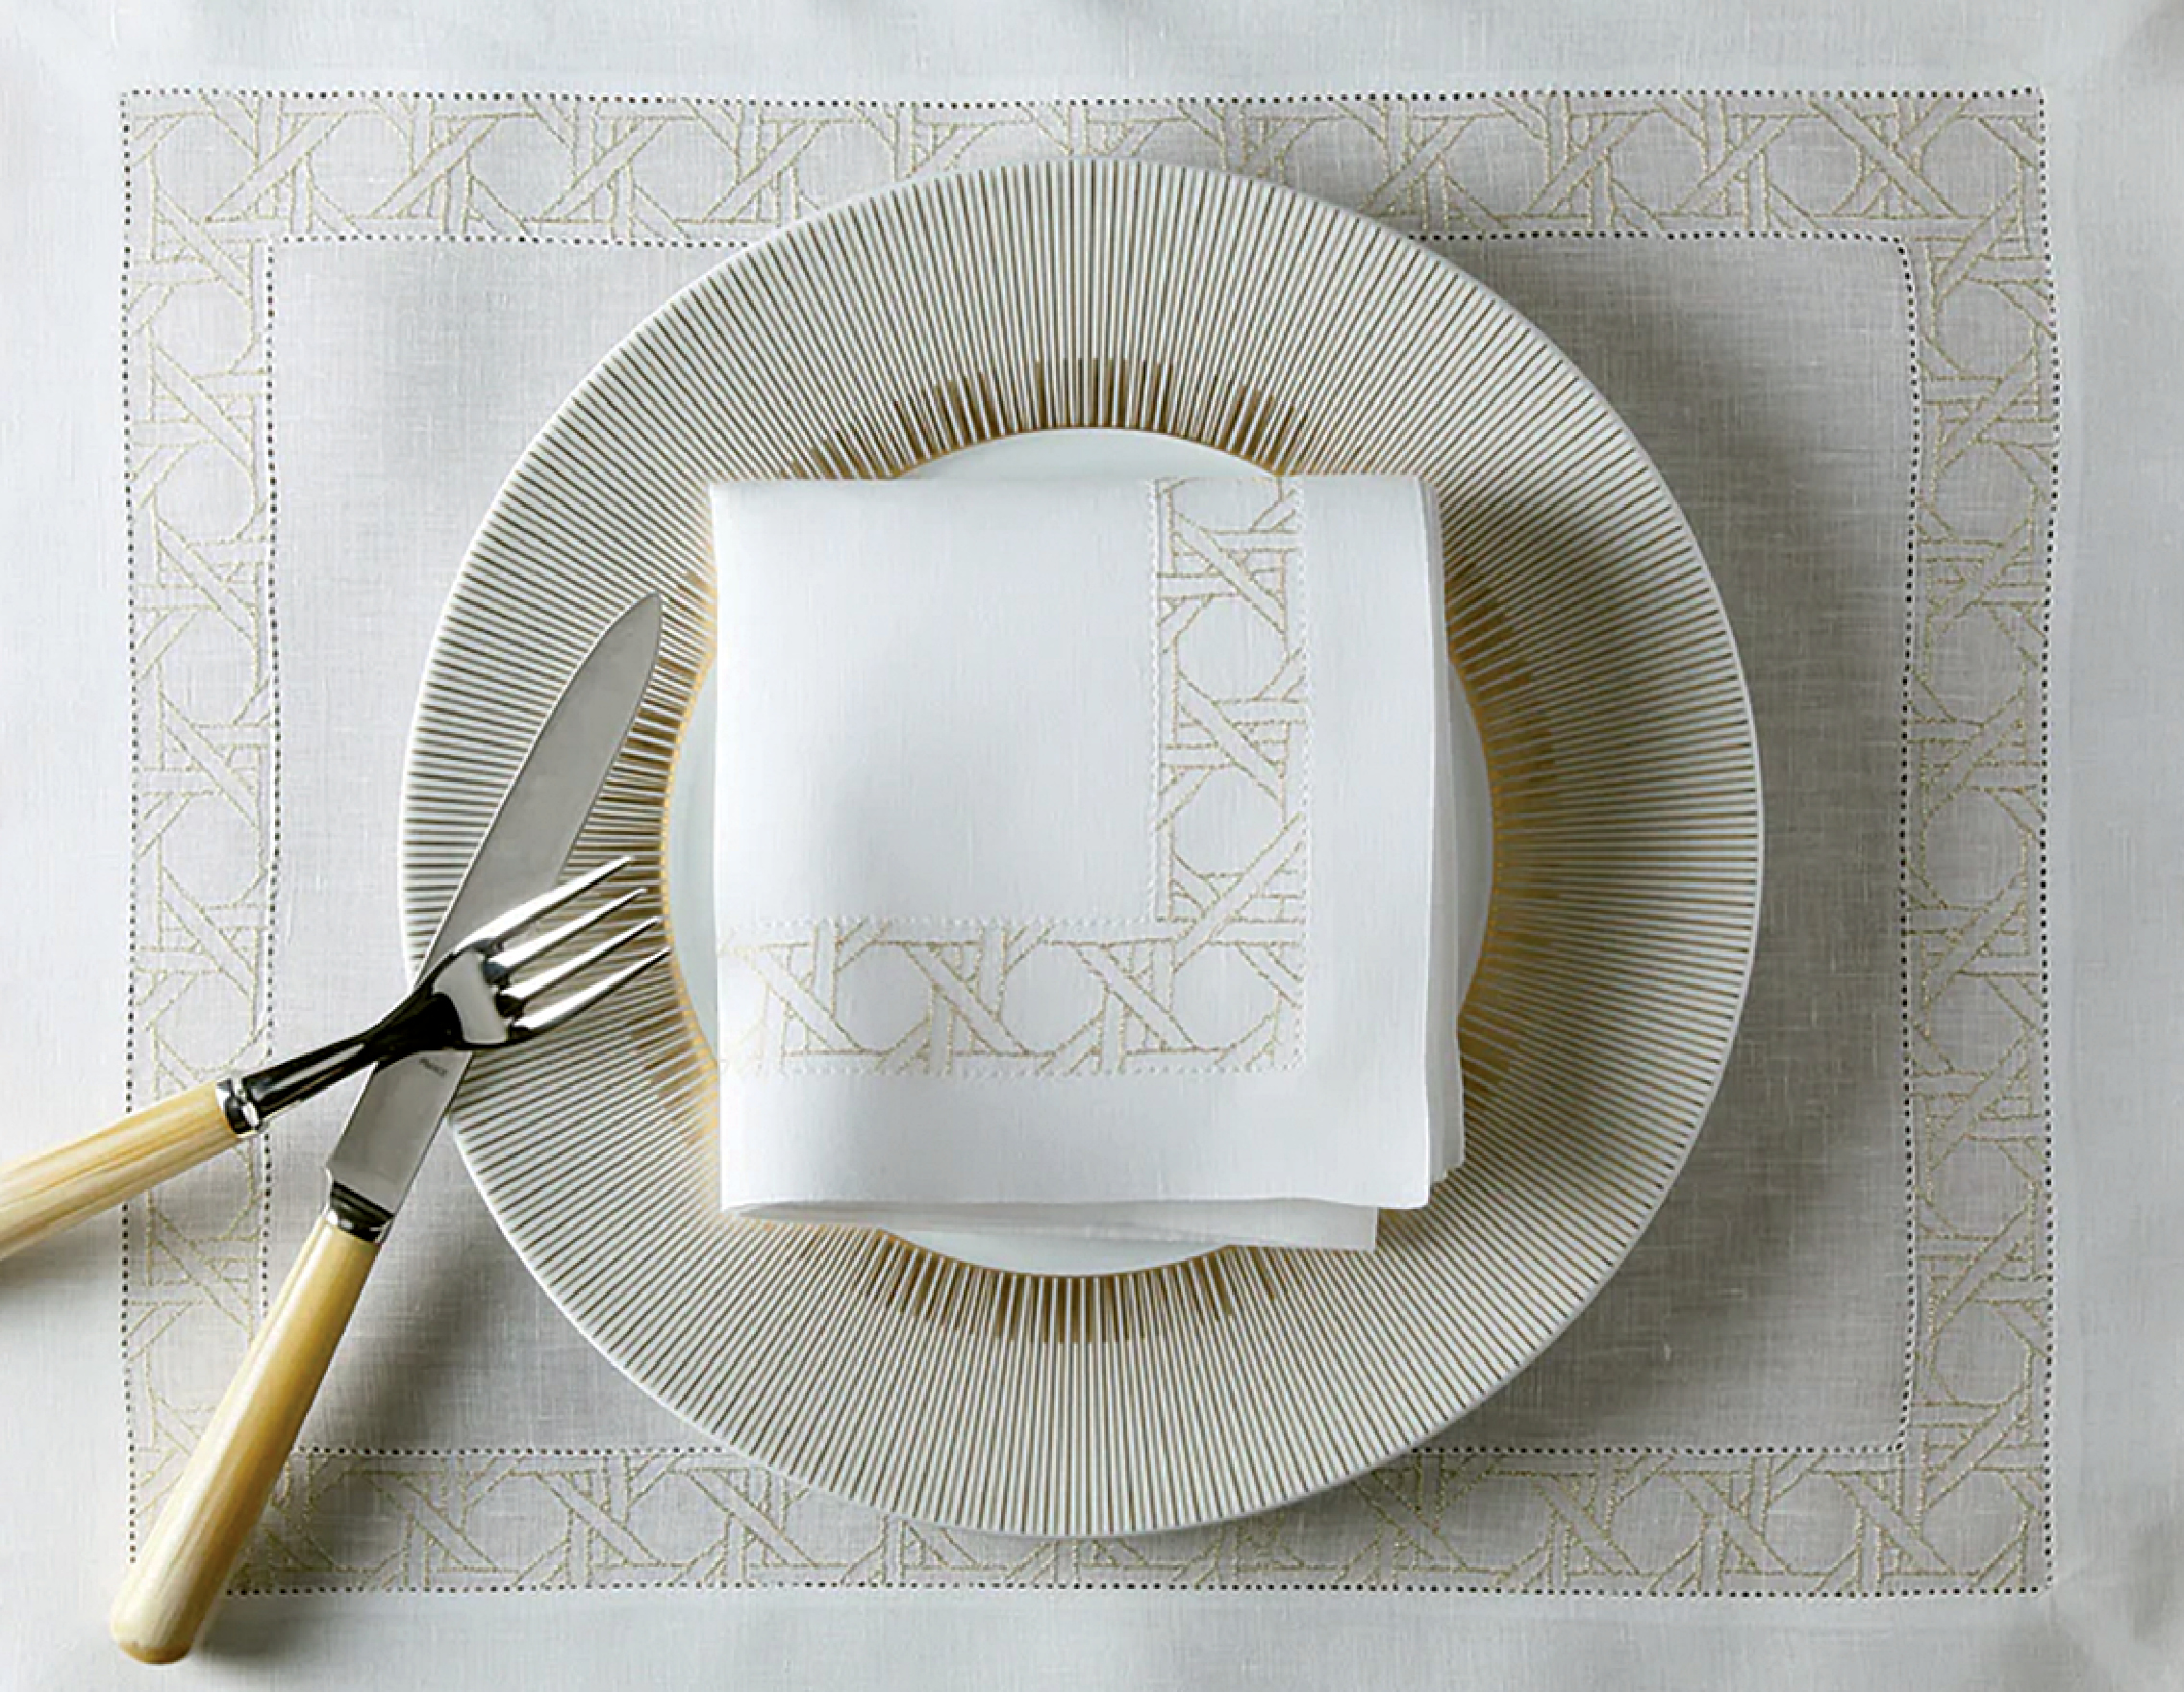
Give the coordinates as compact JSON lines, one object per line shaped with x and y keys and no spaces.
{"x":209,"y":1515}
{"x":396,"y":1118}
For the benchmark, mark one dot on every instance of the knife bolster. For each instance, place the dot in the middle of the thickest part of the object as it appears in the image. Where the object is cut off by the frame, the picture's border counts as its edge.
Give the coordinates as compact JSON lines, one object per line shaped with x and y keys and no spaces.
{"x":354,"y":1214}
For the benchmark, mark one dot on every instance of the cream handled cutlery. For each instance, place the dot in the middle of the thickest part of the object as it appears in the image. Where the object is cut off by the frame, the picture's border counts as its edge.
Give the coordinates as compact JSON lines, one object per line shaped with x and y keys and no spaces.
{"x":473,"y":998}
{"x":208,"y":1514}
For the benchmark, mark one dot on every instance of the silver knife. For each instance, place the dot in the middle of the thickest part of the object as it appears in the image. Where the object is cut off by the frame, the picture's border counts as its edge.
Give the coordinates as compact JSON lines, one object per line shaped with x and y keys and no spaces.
{"x":208,"y":1516}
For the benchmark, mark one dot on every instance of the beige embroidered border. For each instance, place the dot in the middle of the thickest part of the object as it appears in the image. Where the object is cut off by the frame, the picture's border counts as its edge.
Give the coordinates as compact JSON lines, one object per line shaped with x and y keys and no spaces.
{"x":212,"y":181}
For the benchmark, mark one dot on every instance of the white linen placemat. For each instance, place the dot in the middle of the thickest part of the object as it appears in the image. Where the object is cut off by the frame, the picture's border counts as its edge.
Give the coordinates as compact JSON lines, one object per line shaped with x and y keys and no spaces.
{"x":1825,"y":1369}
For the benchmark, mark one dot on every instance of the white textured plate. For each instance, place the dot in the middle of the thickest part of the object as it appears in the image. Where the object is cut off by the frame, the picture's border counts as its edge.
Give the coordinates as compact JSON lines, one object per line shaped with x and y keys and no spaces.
{"x":1601,"y":673}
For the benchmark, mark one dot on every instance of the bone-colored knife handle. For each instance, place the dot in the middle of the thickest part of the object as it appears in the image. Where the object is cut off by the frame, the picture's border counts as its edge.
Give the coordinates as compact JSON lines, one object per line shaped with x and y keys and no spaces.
{"x":52,"y":1190}
{"x":207,"y":1518}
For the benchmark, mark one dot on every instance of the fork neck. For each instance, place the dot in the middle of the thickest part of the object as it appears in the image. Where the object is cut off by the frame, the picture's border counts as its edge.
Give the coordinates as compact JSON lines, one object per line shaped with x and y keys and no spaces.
{"x":418,"y":1024}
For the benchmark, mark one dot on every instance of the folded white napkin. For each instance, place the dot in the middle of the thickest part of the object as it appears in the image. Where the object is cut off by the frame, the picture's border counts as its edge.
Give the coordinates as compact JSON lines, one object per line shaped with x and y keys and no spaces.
{"x":1084,"y":855}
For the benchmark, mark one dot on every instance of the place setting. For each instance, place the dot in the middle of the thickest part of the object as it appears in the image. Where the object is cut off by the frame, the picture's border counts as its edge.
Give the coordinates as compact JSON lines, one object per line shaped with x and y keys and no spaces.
{"x":1114,"y":869}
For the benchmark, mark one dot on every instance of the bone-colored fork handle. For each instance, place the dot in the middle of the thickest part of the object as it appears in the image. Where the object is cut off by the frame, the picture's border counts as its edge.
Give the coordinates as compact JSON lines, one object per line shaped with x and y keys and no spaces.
{"x":52,"y":1190}
{"x":207,"y":1518}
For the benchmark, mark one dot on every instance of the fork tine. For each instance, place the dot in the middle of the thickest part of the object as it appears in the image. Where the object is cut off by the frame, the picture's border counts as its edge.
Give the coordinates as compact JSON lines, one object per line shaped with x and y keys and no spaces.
{"x":528,"y":990}
{"x":512,"y":958}
{"x":560,"y":1010}
{"x":531,"y":910}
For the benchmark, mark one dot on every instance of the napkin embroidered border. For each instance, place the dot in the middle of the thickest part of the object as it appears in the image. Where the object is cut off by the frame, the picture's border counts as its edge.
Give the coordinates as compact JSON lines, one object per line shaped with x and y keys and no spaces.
{"x":1960,"y":1503}
{"x":1234,"y":543}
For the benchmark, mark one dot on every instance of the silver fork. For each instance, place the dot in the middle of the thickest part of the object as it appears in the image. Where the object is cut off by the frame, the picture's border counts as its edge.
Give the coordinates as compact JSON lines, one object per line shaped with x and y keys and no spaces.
{"x":484,"y":994}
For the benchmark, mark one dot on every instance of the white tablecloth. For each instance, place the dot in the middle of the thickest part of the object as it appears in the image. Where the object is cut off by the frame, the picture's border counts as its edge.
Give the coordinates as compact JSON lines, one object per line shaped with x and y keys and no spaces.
{"x":2107,"y":1610}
